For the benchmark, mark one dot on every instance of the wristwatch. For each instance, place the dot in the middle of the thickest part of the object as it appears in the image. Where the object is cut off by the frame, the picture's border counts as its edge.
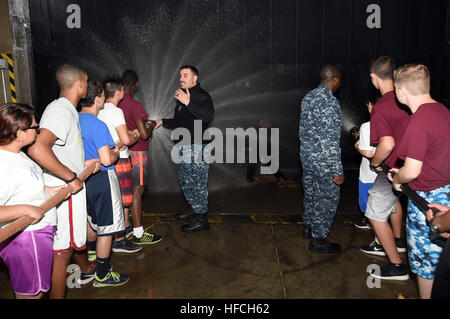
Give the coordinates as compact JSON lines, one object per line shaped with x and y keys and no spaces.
{"x":374,"y":167}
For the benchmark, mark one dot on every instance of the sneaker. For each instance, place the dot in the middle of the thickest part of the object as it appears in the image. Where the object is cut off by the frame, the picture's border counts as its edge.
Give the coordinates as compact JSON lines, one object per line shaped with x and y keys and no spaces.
{"x":86,"y":277}
{"x":147,"y":239}
{"x":392,"y":272}
{"x":401,"y":245}
{"x":92,"y":256}
{"x":373,"y":248}
{"x":129,"y":231}
{"x":125,"y":246}
{"x":112,"y":279}
{"x":363,"y":223}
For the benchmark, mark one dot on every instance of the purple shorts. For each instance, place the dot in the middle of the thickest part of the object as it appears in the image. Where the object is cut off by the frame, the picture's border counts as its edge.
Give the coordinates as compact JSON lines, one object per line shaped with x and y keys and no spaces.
{"x":29,"y":257}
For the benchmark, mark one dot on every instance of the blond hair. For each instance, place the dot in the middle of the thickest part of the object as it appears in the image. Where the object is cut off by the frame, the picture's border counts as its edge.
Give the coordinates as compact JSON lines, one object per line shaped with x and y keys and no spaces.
{"x":414,"y":77}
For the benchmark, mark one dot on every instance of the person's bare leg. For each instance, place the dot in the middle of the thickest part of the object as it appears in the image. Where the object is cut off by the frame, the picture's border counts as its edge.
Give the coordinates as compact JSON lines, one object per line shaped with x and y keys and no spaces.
{"x":81,"y":259}
{"x":91,"y":234}
{"x":397,"y":221}
{"x":425,"y":287}
{"x":126,"y":216}
{"x":138,"y":192}
{"x":104,"y":244}
{"x":385,"y":236}
{"x":38,"y":296}
{"x":59,"y":275}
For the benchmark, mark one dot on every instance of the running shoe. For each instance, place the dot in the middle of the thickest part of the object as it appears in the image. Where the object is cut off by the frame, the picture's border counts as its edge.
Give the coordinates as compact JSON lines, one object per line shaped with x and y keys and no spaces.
{"x":112,"y":279}
{"x":125,"y":246}
{"x":147,"y":239}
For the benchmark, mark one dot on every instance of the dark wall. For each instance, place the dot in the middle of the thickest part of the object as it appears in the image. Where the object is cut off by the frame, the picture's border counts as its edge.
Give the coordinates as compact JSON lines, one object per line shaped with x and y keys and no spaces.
{"x":257,"y":58}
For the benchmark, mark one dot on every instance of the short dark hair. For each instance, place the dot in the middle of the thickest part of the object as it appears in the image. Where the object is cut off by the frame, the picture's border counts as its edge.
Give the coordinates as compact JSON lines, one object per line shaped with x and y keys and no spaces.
{"x":111,"y":84}
{"x":329,"y":72}
{"x":383,"y":67}
{"x":373,"y":96}
{"x":129,"y":78}
{"x":14,"y":117}
{"x":67,"y":75}
{"x":94,"y":90}
{"x":190,"y":67}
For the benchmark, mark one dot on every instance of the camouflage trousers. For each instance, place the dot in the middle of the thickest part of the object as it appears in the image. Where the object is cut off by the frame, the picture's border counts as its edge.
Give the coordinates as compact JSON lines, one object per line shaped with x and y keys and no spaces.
{"x":193,"y":176}
{"x":321,"y":198}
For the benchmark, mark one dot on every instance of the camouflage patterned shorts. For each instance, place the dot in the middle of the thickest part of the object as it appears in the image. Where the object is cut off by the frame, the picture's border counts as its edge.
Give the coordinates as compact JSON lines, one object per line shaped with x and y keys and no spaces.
{"x":422,"y":253}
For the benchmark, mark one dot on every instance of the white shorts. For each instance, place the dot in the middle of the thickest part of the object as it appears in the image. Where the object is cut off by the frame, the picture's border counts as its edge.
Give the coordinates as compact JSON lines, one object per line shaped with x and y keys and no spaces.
{"x":71,"y":216}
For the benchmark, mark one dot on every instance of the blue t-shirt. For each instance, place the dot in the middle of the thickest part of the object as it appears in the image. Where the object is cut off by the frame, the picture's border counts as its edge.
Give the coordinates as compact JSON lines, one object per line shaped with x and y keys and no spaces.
{"x":95,"y":135}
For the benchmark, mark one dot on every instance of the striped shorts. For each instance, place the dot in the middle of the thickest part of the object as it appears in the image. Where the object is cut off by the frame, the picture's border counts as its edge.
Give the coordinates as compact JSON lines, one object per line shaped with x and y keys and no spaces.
{"x":139,"y":164}
{"x":104,"y":203}
{"x":123,"y":171}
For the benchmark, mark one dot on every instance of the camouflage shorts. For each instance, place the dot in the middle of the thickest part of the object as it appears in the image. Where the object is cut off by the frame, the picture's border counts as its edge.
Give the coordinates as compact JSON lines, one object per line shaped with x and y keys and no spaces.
{"x":422,"y":253}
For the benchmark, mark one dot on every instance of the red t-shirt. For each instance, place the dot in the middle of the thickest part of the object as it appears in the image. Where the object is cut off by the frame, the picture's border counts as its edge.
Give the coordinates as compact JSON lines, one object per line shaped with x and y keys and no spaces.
{"x":133,"y":111}
{"x":427,"y":139}
{"x":388,"y":119}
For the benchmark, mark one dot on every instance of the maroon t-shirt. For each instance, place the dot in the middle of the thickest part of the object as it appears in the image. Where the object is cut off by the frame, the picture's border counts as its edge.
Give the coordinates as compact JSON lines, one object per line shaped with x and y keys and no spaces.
{"x":133,"y":111}
{"x":388,"y":119}
{"x":427,"y":139}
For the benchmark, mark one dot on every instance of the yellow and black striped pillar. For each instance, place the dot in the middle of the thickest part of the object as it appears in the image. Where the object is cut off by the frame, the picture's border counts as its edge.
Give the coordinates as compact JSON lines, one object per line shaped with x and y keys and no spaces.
{"x":12,"y":83}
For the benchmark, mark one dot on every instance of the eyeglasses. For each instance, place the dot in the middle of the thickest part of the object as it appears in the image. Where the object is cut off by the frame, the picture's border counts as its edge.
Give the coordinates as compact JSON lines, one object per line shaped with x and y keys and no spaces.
{"x":36,"y":127}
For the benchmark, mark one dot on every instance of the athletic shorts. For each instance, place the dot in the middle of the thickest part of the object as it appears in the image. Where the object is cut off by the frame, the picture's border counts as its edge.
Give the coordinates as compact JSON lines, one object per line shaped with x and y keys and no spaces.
{"x":423,"y":254}
{"x":123,"y":171}
{"x":382,"y":201}
{"x":29,"y":257}
{"x":104,"y":203}
{"x":139,"y":164}
{"x":363,"y":190}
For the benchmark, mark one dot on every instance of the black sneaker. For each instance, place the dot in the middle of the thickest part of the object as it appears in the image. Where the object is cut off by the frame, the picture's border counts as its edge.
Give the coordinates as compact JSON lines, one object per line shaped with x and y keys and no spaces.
{"x":401,"y":245}
{"x":392,"y":271}
{"x":125,"y":246}
{"x":363,"y":223}
{"x":323,"y":246}
{"x":374,"y":248}
{"x":86,"y":277}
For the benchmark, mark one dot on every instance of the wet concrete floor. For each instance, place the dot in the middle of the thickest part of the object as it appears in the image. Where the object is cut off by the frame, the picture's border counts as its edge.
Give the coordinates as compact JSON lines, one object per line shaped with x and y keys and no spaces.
{"x":248,"y":255}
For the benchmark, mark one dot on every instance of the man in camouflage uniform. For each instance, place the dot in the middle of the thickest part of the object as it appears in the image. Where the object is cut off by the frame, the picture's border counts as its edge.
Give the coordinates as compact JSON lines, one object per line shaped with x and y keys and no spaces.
{"x":193,"y":104}
{"x":320,"y":155}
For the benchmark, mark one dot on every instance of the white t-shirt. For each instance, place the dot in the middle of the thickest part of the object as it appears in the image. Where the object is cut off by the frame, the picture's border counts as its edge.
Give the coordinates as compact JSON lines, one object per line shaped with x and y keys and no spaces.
{"x":61,"y":118}
{"x":113,"y":117}
{"x":366,"y":175}
{"x":23,"y":183}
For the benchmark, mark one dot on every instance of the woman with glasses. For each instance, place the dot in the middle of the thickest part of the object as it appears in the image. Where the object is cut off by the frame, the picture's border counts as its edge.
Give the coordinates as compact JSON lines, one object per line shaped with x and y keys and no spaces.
{"x":27,"y":254}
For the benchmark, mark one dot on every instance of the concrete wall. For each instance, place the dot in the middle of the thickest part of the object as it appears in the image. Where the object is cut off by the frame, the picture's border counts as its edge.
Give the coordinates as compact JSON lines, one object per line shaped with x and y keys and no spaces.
{"x":5,"y":46}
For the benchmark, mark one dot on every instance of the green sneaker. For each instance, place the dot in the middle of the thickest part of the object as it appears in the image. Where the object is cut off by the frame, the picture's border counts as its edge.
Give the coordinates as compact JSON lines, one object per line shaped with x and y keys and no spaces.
{"x":92,"y":256}
{"x":112,"y":279}
{"x":147,"y":239}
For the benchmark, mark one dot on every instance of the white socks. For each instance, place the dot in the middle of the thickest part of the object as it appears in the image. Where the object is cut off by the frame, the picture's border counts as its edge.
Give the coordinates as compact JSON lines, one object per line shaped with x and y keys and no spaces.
{"x":138,"y":232}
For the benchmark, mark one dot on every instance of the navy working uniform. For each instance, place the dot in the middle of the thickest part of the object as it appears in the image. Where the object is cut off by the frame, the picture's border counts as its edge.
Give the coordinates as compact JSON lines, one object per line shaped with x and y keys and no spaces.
{"x":320,"y":155}
{"x":193,"y":170}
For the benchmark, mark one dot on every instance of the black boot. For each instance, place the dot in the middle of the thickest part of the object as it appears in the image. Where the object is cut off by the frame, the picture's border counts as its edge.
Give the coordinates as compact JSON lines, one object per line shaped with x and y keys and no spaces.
{"x":323,"y":246}
{"x":306,"y":231}
{"x":199,"y":223}
{"x":184,"y":216}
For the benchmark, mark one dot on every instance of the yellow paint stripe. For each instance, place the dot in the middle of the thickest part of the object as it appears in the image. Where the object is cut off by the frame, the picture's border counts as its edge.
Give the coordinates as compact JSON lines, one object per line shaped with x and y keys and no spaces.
{"x":13,"y":100}
{"x":13,"y":88}
{"x":4,"y":56}
{"x":11,"y":75}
